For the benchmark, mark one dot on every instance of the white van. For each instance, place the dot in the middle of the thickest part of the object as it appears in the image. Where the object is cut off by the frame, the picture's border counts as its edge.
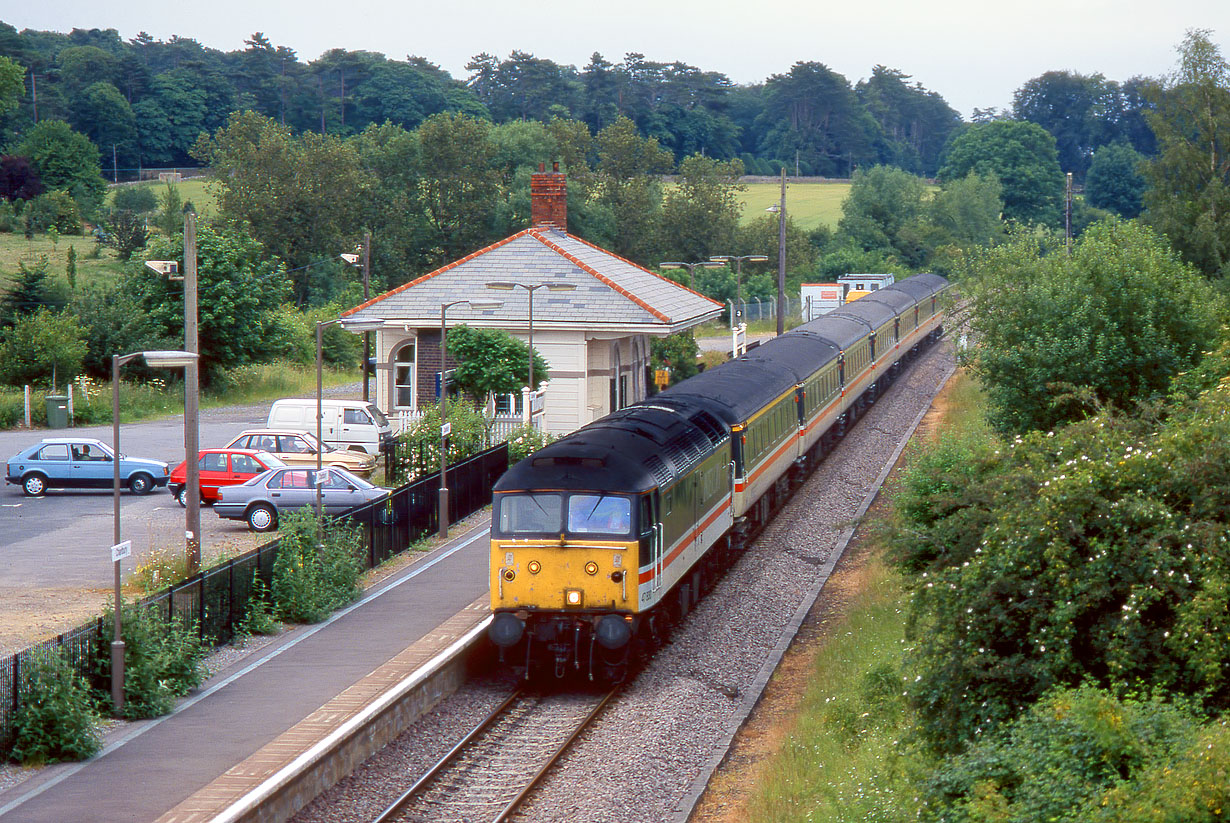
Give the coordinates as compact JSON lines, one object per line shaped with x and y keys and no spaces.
{"x":355,"y":425}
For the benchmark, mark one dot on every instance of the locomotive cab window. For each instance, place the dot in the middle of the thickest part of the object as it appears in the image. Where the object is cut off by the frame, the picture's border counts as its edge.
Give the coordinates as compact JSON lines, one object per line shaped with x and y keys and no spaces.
{"x":530,"y":513}
{"x":599,"y":514}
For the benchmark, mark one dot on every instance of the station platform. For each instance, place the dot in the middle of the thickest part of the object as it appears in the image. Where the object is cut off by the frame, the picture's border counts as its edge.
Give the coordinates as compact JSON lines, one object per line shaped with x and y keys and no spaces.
{"x":249,"y":721}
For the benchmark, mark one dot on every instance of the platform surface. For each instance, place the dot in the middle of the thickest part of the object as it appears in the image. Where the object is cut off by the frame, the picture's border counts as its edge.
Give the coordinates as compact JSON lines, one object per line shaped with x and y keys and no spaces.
{"x":269,"y":706}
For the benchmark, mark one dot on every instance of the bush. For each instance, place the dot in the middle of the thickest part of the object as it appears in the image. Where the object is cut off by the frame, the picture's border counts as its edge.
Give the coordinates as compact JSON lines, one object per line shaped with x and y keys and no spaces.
{"x":162,"y":660}
{"x":524,"y":441}
{"x":53,"y":209}
{"x":44,"y":348}
{"x":258,"y":618}
{"x":317,"y":569}
{"x":1057,"y":761}
{"x":417,"y":451}
{"x":57,"y":720}
{"x":125,"y":231}
{"x":9,"y":221}
{"x":137,"y":199}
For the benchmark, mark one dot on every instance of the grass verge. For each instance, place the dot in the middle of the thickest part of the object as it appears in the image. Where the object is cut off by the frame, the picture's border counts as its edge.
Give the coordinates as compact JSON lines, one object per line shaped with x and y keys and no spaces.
{"x":848,"y":753}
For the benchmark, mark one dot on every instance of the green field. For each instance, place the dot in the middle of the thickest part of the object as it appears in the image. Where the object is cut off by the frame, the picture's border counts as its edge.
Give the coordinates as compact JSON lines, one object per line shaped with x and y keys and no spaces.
{"x":192,"y":189}
{"x":807,"y":204}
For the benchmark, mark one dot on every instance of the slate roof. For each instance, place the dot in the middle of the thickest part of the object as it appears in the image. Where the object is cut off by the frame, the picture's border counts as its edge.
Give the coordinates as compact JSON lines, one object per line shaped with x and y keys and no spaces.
{"x":610,"y":291}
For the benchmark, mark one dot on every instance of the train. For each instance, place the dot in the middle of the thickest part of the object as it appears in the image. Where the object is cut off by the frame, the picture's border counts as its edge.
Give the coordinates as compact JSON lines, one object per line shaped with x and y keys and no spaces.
{"x":603,"y":539}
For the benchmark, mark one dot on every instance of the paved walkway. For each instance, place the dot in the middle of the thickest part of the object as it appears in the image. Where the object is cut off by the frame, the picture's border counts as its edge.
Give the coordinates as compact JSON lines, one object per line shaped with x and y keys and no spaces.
{"x":154,"y":766}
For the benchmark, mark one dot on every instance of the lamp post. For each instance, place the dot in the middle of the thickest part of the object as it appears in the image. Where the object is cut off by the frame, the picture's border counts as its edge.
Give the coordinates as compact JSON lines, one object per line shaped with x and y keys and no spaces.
{"x":738,"y":260}
{"x":366,"y":325}
{"x":691,"y":267}
{"x":363,"y":256}
{"x":192,"y":392}
{"x":157,"y":360}
{"x":476,"y":305}
{"x":531,"y":288}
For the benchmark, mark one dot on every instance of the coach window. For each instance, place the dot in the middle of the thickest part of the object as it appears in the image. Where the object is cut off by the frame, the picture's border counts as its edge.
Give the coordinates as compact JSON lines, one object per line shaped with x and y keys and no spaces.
{"x":403,"y":377}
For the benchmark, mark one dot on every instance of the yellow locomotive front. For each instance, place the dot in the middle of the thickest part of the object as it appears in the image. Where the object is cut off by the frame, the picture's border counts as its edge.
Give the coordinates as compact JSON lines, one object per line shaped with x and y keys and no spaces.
{"x":564,"y":577}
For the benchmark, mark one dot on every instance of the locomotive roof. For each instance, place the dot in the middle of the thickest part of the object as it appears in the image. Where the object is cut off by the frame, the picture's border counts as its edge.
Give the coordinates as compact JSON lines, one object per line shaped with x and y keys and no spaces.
{"x":631,"y":450}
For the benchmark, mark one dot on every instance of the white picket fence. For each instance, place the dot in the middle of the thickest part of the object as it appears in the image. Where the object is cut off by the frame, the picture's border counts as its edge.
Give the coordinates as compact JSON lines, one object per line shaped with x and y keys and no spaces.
{"x":499,"y":426}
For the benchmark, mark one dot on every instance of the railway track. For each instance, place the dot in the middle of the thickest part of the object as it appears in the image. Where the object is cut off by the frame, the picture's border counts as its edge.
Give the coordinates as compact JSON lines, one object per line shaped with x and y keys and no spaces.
{"x":494,"y":768}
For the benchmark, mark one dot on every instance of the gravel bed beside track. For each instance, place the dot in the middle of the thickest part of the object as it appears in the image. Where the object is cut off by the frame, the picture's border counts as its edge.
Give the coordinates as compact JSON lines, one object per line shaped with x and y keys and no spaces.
{"x":638,"y":761}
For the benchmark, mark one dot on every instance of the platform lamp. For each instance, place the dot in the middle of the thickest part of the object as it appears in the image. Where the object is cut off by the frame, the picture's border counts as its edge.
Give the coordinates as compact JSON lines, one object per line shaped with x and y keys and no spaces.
{"x":691,"y":267}
{"x":531,"y":288}
{"x":476,"y":305}
{"x":156,"y":360}
{"x":358,"y":325}
{"x":738,"y":261}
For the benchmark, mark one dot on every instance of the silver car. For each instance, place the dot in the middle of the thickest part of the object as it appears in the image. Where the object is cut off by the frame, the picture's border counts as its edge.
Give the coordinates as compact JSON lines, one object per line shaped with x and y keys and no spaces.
{"x":261,"y":499}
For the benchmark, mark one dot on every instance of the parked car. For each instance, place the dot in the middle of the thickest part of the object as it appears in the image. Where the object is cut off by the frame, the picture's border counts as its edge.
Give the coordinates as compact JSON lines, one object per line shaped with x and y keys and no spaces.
{"x":218,"y":468}
{"x":296,"y":448}
{"x":352,"y":425}
{"x":261,"y":499}
{"x":83,"y":463}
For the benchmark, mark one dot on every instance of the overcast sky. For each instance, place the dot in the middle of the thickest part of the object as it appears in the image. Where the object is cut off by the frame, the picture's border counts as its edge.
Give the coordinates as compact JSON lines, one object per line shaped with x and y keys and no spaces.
{"x":973,"y":52}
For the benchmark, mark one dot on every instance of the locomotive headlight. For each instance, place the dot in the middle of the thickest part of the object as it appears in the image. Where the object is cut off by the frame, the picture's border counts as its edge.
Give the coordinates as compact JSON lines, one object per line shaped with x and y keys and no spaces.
{"x":534,"y":566}
{"x":510,"y":575}
{"x":591,"y":567}
{"x":572,"y":597}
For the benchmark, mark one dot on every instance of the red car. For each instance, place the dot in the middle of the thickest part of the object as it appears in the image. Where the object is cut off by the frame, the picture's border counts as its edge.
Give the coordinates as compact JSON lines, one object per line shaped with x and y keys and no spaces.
{"x":221,"y":467}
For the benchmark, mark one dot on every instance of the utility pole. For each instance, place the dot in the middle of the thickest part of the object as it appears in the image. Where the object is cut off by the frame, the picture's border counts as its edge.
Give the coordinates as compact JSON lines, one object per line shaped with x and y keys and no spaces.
{"x":367,"y":336}
{"x":192,"y":387}
{"x":1067,"y":215}
{"x":781,"y":259}
{"x":34,"y":92}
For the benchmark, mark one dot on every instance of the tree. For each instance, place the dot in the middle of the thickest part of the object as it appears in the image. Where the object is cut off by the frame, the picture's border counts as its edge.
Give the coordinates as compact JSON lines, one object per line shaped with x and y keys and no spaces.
{"x":29,"y":290}
{"x":624,"y":186}
{"x":914,"y":123}
{"x":18,"y":179}
{"x":969,"y":211}
{"x":12,"y":84}
{"x":42,"y":347}
{"x":700,"y":215}
{"x":1114,"y":181}
{"x":882,"y":202}
{"x":1022,"y":157}
{"x":65,"y":160}
{"x":817,"y":120}
{"x":459,"y":187}
{"x":139,"y":199}
{"x":102,"y":114}
{"x":239,"y":289}
{"x":1188,"y":198}
{"x":490,"y":361}
{"x":303,"y":197}
{"x":1073,"y":108}
{"x":676,"y":352}
{"x":126,"y":232}
{"x":1058,"y":335}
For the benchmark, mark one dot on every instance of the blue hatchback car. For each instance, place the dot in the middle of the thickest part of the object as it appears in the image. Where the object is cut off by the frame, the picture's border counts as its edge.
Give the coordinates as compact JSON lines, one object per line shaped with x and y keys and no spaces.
{"x":81,"y":462}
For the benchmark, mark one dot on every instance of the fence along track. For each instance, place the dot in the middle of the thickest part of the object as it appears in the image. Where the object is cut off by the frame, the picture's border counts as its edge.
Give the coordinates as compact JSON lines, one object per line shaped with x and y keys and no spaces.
{"x":488,"y":774}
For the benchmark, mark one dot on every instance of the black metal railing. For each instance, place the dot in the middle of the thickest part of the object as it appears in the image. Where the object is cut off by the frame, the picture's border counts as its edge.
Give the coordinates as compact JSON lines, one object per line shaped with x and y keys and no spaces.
{"x":216,"y":599}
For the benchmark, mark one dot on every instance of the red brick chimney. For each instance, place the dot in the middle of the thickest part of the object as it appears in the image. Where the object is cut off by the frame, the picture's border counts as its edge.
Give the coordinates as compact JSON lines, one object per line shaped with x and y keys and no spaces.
{"x":548,"y":198}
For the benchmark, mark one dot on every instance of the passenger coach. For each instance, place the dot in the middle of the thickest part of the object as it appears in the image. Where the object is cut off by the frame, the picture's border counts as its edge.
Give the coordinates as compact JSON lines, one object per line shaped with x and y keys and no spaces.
{"x":601,"y":539}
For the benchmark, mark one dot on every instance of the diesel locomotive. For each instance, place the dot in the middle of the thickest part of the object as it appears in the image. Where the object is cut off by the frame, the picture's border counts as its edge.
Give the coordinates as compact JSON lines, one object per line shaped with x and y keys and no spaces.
{"x":600,"y":540}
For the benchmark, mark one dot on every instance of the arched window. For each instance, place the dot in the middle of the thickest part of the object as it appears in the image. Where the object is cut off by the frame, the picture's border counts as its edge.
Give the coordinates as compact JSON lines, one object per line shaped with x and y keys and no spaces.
{"x":404,"y":376}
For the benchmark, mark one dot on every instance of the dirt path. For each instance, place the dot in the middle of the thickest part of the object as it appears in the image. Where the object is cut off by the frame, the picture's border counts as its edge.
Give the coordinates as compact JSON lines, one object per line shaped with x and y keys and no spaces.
{"x":774,"y":718}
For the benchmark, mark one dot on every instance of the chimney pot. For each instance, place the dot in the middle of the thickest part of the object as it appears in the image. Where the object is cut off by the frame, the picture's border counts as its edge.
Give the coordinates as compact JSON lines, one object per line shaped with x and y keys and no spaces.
{"x":555,"y":166}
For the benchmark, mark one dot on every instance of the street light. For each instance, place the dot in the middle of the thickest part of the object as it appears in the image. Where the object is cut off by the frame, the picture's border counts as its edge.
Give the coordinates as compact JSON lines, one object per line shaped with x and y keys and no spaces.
{"x":738,"y":259}
{"x":531,"y":288}
{"x":357,"y":324}
{"x":476,"y":305}
{"x":192,"y":391}
{"x":363,"y":256}
{"x":691,"y":267}
{"x":157,"y":360}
